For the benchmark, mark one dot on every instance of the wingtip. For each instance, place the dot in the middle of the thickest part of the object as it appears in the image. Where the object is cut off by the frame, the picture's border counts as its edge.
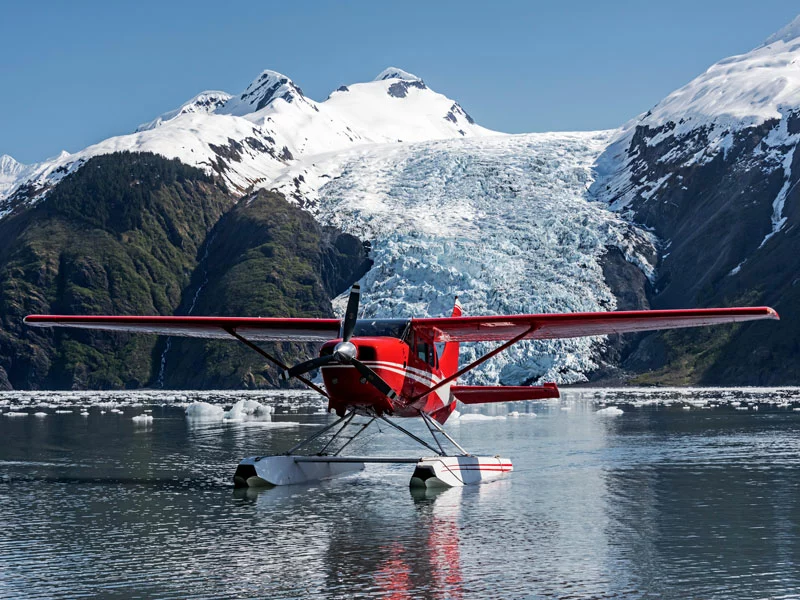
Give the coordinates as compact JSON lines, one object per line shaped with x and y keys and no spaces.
{"x":773,"y":314}
{"x":36,"y":320}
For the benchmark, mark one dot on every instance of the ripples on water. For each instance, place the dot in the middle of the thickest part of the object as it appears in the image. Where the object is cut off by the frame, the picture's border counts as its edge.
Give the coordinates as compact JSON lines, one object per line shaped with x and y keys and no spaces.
{"x":688,"y":494}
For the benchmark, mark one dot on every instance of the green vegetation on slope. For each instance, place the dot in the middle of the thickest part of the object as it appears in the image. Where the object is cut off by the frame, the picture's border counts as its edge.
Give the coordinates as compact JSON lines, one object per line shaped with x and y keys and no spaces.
{"x":139,"y":234}
{"x":119,"y":236}
{"x":265,"y":258}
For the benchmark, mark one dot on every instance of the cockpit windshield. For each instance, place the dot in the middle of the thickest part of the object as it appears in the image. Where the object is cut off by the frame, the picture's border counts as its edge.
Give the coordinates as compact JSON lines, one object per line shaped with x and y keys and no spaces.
{"x":396,"y":328}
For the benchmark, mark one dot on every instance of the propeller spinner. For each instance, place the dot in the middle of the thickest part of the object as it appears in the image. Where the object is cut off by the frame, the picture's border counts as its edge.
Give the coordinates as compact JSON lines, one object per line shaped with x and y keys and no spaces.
{"x":345,"y":352}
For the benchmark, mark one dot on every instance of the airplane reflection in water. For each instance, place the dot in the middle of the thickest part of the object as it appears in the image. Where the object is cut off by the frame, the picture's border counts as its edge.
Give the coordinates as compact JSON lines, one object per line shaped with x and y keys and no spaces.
{"x":425,"y":560}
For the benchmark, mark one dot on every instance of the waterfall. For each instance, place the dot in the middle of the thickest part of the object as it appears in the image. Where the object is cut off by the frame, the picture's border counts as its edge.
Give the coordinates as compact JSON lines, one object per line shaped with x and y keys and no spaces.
{"x":203,"y":261}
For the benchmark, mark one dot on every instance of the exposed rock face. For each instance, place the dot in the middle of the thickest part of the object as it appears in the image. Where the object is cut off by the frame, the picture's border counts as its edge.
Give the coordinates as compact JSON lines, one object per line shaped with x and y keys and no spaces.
{"x":716,"y":180}
{"x":712,"y":214}
{"x":632,"y":290}
{"x":721,"y":247}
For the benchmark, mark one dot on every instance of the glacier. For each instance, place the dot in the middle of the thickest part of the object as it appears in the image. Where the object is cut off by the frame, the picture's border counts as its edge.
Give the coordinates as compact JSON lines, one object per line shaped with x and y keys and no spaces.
{"x":504,"y":222}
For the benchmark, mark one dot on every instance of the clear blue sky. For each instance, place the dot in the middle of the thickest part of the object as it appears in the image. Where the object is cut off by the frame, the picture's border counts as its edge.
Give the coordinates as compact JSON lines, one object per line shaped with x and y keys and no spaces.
{"x":73,"y":73}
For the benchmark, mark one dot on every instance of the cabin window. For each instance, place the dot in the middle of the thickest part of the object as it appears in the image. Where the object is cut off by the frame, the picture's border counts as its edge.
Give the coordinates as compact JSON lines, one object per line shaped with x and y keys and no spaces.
{"x":422,"y":351}
{"x":426,"y":353}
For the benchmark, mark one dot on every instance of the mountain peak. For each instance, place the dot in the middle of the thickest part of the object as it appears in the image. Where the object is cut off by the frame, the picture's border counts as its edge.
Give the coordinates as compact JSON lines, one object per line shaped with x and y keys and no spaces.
{"x":395,"y":73}
{"x":262,"y":91}
{"x":785,"y":34}
{"x":9,"y":164}
{"x":11,"y":171}
{"x":205,"y":102}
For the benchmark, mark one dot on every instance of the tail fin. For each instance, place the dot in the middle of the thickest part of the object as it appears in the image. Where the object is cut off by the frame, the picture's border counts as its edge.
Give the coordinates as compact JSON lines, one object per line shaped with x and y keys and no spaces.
{"x":448,"y":361}
{"x":456,"y":308}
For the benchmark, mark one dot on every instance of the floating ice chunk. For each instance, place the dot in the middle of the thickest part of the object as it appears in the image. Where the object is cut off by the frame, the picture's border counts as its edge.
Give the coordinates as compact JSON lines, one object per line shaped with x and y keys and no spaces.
{"x":14,"y":413}
{"x":478,"y":417}
{"x":686,"y":407}
{"x":142,"y":419}
{"x":566,"y":408}
{"x":609,"y":411}
{"x":63,"y":412}
{"x":40,"y":414}
{"x":514,"y":414}
{"x":249,"y":410}
{"x":203,"y":411}
{"x":455,"y":415}
{"x":85,"y":413}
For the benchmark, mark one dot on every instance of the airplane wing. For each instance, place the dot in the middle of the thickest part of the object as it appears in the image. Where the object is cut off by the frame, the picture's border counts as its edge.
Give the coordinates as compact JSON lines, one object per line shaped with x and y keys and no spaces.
{"x":551,"y":326}
{"x":253,"y":328}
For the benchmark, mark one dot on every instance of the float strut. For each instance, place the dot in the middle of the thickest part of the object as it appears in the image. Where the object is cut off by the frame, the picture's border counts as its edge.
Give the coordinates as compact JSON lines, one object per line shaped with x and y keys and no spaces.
{"x":322,"y":431}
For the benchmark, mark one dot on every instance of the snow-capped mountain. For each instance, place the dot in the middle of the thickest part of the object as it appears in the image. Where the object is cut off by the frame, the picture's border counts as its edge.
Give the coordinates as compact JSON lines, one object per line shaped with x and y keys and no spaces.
{"x":204,"y":102}
{"x":707,"y":117}
{"x":713,"y":170}
{"x":250,"y":137}
{"x":741,"y":116}
{"x":10,"y":172}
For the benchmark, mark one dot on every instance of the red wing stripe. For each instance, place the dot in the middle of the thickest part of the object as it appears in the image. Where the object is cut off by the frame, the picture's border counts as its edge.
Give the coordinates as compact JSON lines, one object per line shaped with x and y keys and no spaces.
{"x":255,"y":328}
{"x":480,"y":468}
{"x":552,"y":326}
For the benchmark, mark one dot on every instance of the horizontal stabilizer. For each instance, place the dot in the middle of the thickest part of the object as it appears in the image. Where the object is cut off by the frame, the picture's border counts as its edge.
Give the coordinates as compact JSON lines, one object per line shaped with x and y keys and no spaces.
{"x":480,"y":394}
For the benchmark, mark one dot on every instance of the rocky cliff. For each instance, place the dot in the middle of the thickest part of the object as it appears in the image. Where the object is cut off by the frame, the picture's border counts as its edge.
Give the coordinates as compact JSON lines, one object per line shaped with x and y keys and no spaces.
{"x":712,"y":170}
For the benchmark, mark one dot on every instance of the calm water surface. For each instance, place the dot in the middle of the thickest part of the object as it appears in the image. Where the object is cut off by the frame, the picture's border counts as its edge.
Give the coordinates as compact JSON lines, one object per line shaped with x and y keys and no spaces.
{"x":682,"y":496}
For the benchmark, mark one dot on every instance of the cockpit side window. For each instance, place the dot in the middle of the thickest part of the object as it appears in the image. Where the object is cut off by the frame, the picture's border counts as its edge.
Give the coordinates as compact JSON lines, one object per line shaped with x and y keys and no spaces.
{"x":426,"y":352}
{"x":422,"y":351}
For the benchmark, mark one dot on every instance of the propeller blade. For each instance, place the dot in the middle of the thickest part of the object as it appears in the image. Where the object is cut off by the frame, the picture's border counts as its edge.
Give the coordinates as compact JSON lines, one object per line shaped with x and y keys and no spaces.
{"x":351,"y":315}
{"x":375,"y":379}
{"x":309,"y":365}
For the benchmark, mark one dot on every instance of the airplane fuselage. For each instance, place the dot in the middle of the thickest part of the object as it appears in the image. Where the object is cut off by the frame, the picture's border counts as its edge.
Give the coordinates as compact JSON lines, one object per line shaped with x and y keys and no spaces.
{"x":410,"y":367}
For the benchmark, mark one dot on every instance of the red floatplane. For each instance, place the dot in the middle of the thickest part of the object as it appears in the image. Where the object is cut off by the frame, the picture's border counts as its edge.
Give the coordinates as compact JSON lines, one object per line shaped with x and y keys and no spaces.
{"x":383,"y":369}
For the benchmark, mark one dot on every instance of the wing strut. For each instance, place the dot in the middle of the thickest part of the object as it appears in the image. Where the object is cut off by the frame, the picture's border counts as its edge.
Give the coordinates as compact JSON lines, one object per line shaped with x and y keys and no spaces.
{"x":477,"y":362}
{"x":275,"y":361}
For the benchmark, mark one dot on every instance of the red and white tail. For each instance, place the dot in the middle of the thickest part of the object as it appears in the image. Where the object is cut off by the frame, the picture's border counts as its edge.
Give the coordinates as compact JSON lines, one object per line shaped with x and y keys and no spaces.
{"x":456,"y":308}
{"x":448,"y":361}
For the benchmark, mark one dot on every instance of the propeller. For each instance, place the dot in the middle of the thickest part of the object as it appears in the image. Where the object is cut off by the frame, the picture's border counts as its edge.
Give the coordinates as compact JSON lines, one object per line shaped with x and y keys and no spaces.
{"x":344,"y":353}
